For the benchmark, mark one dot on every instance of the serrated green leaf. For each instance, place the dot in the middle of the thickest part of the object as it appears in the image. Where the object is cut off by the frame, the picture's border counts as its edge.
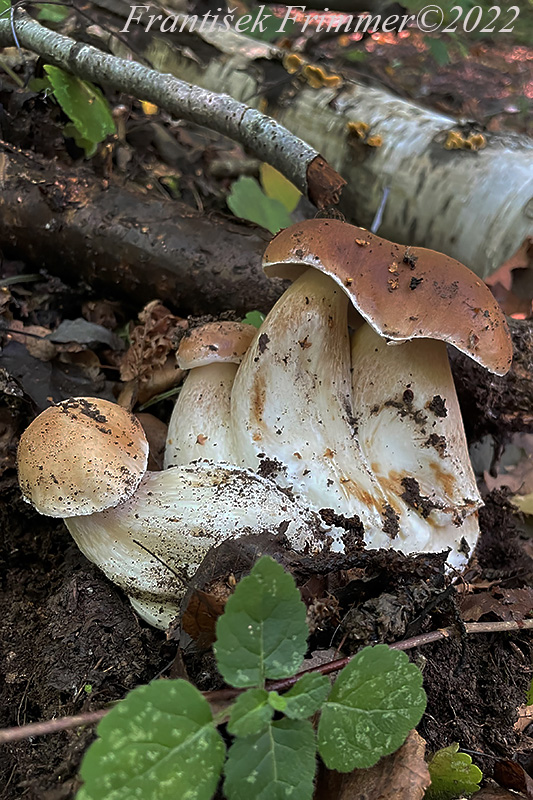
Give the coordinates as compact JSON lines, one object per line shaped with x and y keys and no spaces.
{"x":307,"y":696}
{"x":248,"y":201}
{"x":277,"y":702}
{"x":250,"y":714}
{"x":276,"y":186}
{"x":255,"y":318}
{"x":277,"y":764}
{"x":262,"y":632}
{"x":53,"y":14}
{"x":452,"y":775}
{"x":374,"y":703}
{"x":83,"y":103}
{"x":159,"y":743}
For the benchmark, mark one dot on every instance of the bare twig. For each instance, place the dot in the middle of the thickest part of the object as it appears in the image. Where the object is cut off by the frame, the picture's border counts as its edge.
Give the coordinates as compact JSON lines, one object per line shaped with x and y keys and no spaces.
{"x":261,"y":135}
{"x":218,"y":696}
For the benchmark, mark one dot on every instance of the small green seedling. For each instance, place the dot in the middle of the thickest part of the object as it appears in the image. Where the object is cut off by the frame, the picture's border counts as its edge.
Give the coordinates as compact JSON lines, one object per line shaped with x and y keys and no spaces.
{"x":85,"y":105}
{"x":161,"y":742}
{"x":452,"y":775}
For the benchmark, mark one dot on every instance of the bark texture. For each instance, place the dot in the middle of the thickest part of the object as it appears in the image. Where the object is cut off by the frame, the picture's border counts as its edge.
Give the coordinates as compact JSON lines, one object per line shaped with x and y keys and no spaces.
{"x":259,"y":133}
{"x":474,"y":205}
{"x":128,"y":244}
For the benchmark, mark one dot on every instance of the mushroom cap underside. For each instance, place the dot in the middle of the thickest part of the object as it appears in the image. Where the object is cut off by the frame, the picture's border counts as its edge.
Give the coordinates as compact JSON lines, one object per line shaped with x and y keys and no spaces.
{"x":402,"y":292}
{"x":80,"y":456}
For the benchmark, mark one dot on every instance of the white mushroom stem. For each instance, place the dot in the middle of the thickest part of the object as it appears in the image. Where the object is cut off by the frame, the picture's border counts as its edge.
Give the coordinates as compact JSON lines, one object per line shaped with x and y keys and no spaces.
{"x":291,"y":403}
{"x":152,"y":544}
{"x":410,"y":429}
{"x":199,"y":427}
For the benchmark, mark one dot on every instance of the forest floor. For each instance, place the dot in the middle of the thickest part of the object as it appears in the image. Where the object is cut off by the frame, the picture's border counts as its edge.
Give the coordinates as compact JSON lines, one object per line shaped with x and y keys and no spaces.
{"x":69,"y":641}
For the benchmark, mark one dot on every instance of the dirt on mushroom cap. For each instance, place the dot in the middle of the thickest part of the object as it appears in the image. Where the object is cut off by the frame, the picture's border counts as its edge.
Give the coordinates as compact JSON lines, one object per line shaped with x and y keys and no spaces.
{"x":402,"y":292}
{"x":80,"y":456}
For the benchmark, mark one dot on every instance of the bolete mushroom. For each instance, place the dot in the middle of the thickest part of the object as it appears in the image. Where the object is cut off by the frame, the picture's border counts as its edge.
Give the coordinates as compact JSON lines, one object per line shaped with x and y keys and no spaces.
{"x":84,"y":460}
{"x":385,"y":442}
{"x":199,"y":427}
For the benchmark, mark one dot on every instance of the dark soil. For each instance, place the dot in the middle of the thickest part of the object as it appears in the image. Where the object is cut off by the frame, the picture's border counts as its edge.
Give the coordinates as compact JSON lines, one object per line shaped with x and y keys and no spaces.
{"x":71,"y":643}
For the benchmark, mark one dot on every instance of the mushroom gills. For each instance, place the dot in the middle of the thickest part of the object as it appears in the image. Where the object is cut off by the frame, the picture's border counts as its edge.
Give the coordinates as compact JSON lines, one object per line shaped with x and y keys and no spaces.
{"x":152,"y":544}
{"x":411,"y":431}
{"x":199,"y":427}
{"x":291,"y":409}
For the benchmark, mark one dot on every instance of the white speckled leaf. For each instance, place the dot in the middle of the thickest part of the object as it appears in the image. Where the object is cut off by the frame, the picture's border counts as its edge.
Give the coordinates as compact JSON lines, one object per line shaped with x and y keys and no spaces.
{"x":159,"y":743}
{"x":278,"y":764}
{"x":306,"y":696}
{"x":376,"y":700}
{"x":250,"y":714}
{"x":262,"y":633}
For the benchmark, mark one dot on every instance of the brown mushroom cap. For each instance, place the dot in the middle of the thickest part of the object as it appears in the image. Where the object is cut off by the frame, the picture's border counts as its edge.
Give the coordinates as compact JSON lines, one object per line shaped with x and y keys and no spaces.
{"x":80,"y":456}
{"x":215,"y":342}
{"x":402,"y":292}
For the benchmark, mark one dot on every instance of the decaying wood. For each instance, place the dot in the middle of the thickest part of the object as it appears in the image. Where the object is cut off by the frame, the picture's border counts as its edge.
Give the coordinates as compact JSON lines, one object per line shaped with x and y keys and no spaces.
{"x":139,"y":247}
{"x":474,"y":203}
{"x":262,"y":135}
{"x":123,"y":243}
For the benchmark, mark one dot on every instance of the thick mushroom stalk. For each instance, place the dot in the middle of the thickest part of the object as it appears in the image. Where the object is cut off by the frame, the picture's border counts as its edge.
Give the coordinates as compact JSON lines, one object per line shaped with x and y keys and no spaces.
{"x":199,"y":427}
{"x":403,"y":455}
{"x":291,"y":408}
{"x":409,"y":429}
{"x":152,"y":544}
{"x":85,"y":460}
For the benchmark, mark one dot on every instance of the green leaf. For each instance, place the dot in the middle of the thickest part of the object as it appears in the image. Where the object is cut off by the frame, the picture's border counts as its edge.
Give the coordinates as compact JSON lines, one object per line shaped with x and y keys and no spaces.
{"x":4,"y":6}
{"x":374,"y":703}
{"x":159,"y":743}
{"x":84,"y":104}
{"x":307,"y":696}
{"x":277,"y":702}
{"x":251,"y":713}
{"x":262,"y":632}
{"x":438,"y":50}
{"x":248,"y":201}
{"x":255,"y":318}
{"x":278,"y":763}
{"x":53,"y":14}
{"x":276,"y":186}
{"x":355,"y":55}
{"x":452,"y":775}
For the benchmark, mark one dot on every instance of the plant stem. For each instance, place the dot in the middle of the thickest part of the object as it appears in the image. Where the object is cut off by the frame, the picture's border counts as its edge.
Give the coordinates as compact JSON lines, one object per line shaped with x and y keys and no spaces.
{"x":90,"y":718}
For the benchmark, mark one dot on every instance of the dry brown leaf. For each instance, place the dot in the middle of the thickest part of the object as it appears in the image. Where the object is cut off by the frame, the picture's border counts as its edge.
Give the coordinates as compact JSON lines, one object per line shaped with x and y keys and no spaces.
{"x":152,"y":341}
{"x":404,"y":774}
{"x":525,"y":718}
{"x":511,"y":775}
{"x":495,"y":793}
{"x":506,"y":604}
{"x":156,"y":433}
{"x":511,"y":283}
{"x":32,"y":337}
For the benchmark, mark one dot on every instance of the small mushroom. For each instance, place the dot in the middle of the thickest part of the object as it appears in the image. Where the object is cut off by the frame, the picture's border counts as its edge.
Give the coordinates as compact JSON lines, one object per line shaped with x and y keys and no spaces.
{"x":406,"y":431}
{"x":199,"y":427}
{"x":85,"y":459}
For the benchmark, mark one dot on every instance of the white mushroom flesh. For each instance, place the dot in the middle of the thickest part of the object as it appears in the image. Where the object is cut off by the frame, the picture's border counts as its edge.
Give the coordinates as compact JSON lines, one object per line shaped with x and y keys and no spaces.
{"x":291,"y":403}
{"x":199,"y":427}
{"x":410,"y":429}
{"x":152,"y":544}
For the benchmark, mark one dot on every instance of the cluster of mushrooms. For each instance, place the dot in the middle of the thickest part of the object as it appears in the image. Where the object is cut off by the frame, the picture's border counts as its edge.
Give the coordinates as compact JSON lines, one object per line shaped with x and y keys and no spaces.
{"x":343,"y":401}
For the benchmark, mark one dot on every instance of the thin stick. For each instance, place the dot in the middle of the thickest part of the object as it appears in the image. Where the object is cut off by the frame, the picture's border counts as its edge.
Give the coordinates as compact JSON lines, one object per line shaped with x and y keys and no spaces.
{"x":90,"y":718}
{"x":260,"y":134}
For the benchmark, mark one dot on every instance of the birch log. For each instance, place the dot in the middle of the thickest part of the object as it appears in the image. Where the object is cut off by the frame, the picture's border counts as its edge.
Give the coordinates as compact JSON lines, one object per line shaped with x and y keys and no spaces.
{"x":476,"y":206}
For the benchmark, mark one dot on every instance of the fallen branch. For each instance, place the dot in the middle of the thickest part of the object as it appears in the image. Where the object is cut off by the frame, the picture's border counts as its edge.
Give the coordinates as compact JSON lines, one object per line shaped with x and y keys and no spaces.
{"x":261,"y":135}
{"x":129,"y":244}
{"x":90,"y":718}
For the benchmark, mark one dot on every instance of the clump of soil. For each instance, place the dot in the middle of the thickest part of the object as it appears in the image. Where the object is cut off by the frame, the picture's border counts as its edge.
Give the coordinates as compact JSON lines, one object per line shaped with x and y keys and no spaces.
{"x":71,"y":642}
